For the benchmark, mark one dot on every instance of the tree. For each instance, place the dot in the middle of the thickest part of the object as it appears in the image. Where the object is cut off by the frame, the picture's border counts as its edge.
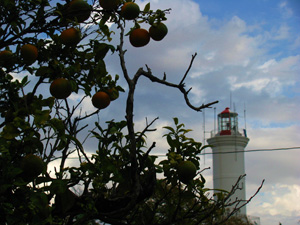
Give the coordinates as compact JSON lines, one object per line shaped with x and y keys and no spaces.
{"x":241,"y":220}
{"x":66,"y":44}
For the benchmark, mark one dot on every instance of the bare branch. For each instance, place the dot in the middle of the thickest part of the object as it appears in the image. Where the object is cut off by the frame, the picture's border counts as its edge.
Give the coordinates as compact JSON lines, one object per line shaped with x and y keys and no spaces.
{"x":147,"y":128}
{"x":188,"y":70}
{"x":179,"y":86}
{"x":237,"y":202}
{"x":122,"y":53}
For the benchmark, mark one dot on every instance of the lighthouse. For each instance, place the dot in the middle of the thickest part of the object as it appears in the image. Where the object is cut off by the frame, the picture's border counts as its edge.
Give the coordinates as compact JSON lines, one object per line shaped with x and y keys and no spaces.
{"x":228,"y":146}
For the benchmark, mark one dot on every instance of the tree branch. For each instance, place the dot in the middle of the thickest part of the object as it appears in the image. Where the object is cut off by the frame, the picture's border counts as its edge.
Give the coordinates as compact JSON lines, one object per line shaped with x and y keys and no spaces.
{"x":188,"y":70}
{"x":179,"y":86}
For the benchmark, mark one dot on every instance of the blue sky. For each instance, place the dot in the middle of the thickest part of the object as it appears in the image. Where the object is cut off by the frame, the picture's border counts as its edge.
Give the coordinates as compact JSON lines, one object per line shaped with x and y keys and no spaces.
{"x":247,"y":49}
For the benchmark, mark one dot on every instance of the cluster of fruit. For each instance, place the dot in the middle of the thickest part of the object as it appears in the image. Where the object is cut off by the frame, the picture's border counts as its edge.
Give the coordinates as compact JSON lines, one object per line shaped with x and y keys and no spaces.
{"x":29,"y":53}
{"x":79,"y":11}
{"x":138,"y":37}
{"x":61,"y":88}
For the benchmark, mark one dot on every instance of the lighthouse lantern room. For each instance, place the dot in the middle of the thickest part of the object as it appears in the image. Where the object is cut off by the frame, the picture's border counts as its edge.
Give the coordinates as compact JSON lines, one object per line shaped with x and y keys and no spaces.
{"x":227,"y":122}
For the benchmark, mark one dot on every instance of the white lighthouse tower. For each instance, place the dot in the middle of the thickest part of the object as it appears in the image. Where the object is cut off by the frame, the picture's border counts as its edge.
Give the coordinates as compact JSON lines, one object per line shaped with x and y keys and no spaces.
{"x":228,"y":156}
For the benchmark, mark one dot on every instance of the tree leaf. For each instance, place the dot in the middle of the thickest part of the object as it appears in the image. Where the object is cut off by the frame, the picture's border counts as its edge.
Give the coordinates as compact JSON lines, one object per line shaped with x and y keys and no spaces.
{"x":10,"y":131}
{"x":41,"y":117}
{"x":147,"y":7}
{"x":170,"y":129}
{"x":170,"y":142}
{"x":175,"y":120}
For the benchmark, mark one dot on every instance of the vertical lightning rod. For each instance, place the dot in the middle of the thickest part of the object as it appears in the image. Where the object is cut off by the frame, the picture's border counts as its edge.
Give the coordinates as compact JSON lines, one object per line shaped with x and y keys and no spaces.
{"x":203,"y":143}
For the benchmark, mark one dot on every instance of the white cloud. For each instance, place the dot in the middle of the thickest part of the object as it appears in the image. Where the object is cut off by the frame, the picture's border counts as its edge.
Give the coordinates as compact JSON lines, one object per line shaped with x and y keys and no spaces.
{"x":288,"y":68}
{"x":210,"y":55}
{"x":233,"y":46}
{"x":256,"y":85}
{"x":274,"y":137}
{"x":278,"y":204}
{"x":266,"y":66}
{"x":270,"y":77}
{"x":198,"y":95}
{"x":296,"y":42}
{"x":282,"y":33}
{"x":180,"y":9}
{"x":287,"y":203}
{"x":285,"y":10}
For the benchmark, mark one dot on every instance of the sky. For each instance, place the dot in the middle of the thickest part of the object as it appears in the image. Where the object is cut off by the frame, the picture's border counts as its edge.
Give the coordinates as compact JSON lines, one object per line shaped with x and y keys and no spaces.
{"x":248,"y":59}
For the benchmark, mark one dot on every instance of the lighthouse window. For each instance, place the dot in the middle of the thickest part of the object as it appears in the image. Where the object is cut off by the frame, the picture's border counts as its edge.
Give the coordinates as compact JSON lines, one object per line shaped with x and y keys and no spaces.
{"x":225,"y":124}
{"x":234,"y":123}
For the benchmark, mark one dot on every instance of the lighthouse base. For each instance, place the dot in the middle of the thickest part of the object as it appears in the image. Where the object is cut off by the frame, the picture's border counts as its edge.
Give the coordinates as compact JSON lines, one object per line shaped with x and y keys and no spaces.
{"x":229,"y":165}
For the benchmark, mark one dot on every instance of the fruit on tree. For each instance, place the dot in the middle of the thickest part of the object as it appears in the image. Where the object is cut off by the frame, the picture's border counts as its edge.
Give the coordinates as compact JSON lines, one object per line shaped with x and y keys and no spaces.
{"x":60,"y":88}
{"x":130,"y":10}
{"x":4,"y":54}
{"x":32,"y":166}
{"x":29,"y":53}
{"x":78,"y":10}
{"x":186,"y":171}
{"x":158,"y":31}
{"x":6,"y":58}
{"x":70,"y":36}
{"x":109,"y":4}
{"x":113,"y":93}
{"x":139,"y":37}
{"x":101,"y":100}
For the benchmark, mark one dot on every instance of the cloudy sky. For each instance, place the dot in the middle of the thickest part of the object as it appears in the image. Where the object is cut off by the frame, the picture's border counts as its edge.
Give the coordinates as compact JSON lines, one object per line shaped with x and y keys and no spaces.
{"x":248,"y":58}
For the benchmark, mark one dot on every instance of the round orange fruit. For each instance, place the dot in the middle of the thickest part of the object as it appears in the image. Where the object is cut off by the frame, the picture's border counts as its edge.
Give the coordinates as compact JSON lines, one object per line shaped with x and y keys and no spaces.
{"x":70,"y":36}
{"x":130,"y":10}
{"x":29,"y":53}
{"x":60,"y":88}
{"x":139,"y":37}
{"x":79,"y":10}
{"x":109,"y":4}
{"x":158,"y":31}
{"x":186,"y":171}
{"x":32,"y":166}
{"x":101,"y":100}
{"x":6,"y":58}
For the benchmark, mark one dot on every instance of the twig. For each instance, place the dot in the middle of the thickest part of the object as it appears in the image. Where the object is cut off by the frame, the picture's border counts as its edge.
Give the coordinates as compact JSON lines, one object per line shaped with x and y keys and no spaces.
{"x":188,"y":70}
{"x":146,"y":128}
